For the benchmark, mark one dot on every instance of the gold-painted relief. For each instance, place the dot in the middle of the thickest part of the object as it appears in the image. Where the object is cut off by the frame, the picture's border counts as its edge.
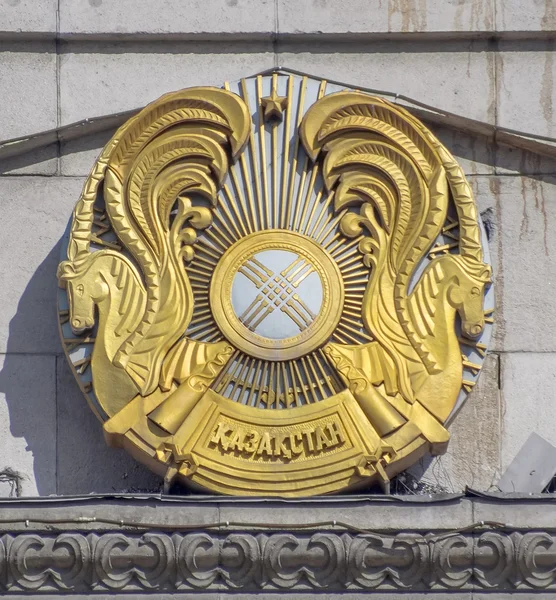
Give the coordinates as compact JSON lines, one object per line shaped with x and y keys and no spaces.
{"x":275,"y":288}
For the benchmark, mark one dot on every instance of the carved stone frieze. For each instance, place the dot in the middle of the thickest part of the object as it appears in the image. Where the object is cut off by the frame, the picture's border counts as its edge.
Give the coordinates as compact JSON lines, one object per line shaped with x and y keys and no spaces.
{"x":492,"y":560}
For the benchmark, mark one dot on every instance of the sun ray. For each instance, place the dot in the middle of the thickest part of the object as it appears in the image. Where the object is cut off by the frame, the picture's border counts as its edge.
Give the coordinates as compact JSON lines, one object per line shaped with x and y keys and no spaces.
{"x":262,"y":150}
{"x":302,"y":386}
{"x":199,"y":269}
{"x":263,"y":384}
{"x":241,"y":200}
{"x":203,"y":246}
{"x":234,"y":208}
{"x":333,"y":224}
{"x":286,"y":157}
{"x":325,"y":377}
{"x":233,"y":222}
{"x":308,"y":379}
{"x":309,"y":201}
{"x":254,"y":161}
{"x":273,"y":184}
{"x":356,"y":258}
{"x":315,"y":377}
{"x":344,"y":249}
{"x":350,"y":331}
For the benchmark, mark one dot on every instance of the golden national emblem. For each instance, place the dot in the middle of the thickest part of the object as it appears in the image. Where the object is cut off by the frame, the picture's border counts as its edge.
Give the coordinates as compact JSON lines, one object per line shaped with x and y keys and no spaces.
{"x":277,"y":288}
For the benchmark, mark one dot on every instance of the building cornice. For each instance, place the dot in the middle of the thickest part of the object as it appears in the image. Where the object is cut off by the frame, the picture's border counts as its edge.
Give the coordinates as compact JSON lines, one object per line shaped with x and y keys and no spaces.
{"x":150,"y":545}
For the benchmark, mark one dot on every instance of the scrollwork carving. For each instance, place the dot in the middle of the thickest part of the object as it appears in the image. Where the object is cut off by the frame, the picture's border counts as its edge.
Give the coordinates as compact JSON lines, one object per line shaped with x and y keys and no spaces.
{"x":245,"y":570}
{"x":333,"y":566}
{"x":416,"y":552}
{"x":70,"y":561}
{"x":280,"y":572}
{"x":452,"y":560}
{"x":531,"y":550}
{"x":403,"y":560}
{"x":365,"y":566}
{"x":198,"y":555}
{"x":502,"y":564}
{"x":37,"y":562}
{"x":147,"y":561}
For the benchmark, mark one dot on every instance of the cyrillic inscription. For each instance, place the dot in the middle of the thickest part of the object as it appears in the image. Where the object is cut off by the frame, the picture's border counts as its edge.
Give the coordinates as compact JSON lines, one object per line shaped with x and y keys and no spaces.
{"x":279,"y":444}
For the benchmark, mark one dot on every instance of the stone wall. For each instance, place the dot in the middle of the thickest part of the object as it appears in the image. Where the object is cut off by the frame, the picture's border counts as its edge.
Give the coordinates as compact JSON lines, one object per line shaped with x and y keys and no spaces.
{"x":65,"y":60}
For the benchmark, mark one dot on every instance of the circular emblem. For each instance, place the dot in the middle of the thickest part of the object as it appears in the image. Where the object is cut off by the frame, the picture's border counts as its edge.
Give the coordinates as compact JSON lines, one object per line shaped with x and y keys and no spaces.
{"x":277,"y":295}
{"x":279,"y":288}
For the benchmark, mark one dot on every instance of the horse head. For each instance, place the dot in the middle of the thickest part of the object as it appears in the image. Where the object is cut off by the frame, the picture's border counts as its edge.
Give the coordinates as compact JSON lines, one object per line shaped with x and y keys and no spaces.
{"x":468,"y":278}
{"x":86,"y":287}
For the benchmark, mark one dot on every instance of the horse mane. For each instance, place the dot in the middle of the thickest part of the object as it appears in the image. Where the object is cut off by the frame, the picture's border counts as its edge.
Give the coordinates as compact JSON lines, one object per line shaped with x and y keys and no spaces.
{"x":130,"y":307}
{"x":422,"y":302}
{"x":474,"y":268}
{"x":123,"y":276}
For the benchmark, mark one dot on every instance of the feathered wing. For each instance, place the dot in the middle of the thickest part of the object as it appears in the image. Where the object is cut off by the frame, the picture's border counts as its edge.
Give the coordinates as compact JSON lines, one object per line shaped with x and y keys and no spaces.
{"x":175,"y":147}
{"x":377,"y":158}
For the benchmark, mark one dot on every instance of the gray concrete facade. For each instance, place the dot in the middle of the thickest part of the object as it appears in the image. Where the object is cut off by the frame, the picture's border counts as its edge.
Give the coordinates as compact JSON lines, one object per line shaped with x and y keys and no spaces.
{"x":62,"y":61}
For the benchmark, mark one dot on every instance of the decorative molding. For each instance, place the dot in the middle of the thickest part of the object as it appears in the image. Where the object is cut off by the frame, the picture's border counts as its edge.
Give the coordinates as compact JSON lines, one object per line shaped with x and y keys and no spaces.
{"x":334,"y":561}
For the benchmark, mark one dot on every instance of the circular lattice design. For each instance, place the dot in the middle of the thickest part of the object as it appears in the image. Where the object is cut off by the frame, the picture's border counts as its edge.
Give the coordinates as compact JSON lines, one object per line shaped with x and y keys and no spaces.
{"x":277,"y":295}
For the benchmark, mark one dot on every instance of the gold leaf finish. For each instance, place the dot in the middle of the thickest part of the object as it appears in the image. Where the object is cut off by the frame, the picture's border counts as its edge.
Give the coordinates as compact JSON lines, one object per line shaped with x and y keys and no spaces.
{"x":264,"y":302}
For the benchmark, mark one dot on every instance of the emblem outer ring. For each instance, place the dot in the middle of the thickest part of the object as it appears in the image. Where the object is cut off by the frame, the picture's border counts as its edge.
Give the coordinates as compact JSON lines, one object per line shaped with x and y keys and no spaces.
{"x":250,"y":342}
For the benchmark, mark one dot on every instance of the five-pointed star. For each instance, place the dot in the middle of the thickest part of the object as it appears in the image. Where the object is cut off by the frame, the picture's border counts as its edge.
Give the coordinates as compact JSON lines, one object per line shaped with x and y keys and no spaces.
{"x":274,"y":106}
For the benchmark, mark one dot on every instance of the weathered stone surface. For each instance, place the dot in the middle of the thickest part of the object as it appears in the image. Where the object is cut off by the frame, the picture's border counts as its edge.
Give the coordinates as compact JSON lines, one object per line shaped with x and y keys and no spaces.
{"x":464,"y":84}
{"x":527,"y":270}
{"x":8,"y":487}
{"x":27,"y":89}
{"x":29,"y":16}
{"x":78,"y":156}
{"x":35,"y":213}
{"x":28,"y":421}
{"x":473,"y":457}
{"x":166,"y":17}
{"x":519,"y":511}
{"x":520,"y":217}
{"x":528,"y":393}
{"x":514,"y":161}
{"x":85,"y":463}
{"x":126,"y":77}
{"x":106,"y":512}
{"x":526,"y":91}
{"x":474,"y":153}
{"x":42,"y":161}
{"x":385,"y":515}
{"x":533,"y":15}
{"x":486,"y":194}
{"x":389,"y":16}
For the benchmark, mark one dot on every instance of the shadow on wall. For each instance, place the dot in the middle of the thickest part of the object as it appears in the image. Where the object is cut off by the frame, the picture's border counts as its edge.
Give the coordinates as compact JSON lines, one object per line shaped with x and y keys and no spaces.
{"x":53,"y":441}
